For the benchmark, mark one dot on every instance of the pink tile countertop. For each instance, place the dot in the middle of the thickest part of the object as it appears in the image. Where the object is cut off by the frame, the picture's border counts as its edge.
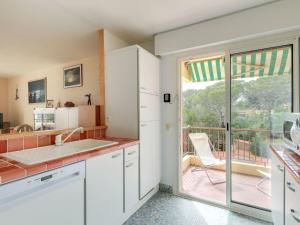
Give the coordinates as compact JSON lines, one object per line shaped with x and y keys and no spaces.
{"x":11,"y":170}
{"x":290,"y":160}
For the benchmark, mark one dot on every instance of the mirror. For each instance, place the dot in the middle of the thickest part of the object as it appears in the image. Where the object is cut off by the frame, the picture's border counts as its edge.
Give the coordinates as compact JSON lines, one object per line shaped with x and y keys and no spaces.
{"x":51,"y":98}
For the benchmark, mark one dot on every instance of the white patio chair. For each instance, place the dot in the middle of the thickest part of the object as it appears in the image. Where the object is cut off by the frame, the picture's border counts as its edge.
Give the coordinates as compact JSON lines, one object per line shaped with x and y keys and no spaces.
{"x":266,"y":176}
{"x":204,"y":148}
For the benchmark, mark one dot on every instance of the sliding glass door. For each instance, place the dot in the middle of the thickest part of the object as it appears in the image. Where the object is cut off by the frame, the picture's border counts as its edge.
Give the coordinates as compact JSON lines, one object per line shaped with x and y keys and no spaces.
{"x":260,"y":94}
{"x":203,"y":104}
{"x":228,"y":122}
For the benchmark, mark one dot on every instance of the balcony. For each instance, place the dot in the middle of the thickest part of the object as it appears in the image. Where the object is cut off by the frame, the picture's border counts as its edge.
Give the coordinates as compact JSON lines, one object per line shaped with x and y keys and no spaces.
{"x":251,"y":166}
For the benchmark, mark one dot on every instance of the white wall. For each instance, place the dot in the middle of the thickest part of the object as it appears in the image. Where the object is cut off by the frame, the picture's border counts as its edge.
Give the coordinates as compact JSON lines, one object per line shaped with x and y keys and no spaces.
{"x":112,"y":42}
{"x":148,"y":45}
{"x":20,"y":111}
{"x":274,"y":17}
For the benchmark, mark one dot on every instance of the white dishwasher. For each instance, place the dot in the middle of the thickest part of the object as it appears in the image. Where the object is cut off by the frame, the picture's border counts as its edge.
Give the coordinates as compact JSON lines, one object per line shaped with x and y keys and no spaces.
{"x":55,"y":197}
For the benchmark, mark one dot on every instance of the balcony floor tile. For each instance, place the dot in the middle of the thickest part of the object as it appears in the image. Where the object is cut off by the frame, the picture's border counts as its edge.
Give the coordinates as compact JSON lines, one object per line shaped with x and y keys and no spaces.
{"x":243,"y":189}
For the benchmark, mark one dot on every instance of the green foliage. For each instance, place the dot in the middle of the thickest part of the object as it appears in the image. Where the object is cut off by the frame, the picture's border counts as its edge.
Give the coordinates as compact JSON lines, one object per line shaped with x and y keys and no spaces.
{"x":256,"y":104}
{"x":259,"y":146}
{"x":253,"y":102}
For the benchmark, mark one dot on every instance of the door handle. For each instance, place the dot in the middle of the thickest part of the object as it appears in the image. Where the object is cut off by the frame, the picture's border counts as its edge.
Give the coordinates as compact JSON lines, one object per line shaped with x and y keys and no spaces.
{"x":293,"y":213}
{"x":131,"y":153}
{"x":129,"y":165}
{"x":116,"y":155}
{"x":279,"y":167}
{"x":289,"y":185}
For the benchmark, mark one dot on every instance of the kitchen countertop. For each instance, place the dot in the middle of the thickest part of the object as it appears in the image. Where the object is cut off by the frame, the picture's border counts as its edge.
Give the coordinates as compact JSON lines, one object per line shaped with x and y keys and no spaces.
{"x":11,"y":170}
{"x":290,"y":160}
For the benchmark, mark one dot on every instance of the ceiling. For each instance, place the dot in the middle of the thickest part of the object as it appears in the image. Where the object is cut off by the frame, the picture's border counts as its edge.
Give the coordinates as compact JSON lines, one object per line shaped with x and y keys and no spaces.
{"x":36,"y":34}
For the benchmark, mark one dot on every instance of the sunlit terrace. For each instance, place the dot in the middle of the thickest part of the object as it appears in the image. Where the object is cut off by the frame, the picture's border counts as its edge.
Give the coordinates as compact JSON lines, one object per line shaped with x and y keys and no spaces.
{"x":250,"y":166}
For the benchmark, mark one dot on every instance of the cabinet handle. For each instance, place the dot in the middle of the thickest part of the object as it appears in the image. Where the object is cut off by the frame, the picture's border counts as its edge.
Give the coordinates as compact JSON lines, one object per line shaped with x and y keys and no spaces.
{"x":143,"y":107}
{"x":116,"y":155}
{"x":289,"y":185}
{"x":131,"y":153}
{"x":294,"y":216}
{"x":280,"y":168}
{"x":143,"y":88}
{"x":143,"y":125}
{"x":129,"y":165}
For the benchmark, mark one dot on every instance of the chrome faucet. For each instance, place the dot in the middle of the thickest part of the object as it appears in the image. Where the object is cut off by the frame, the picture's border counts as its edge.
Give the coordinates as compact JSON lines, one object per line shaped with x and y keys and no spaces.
{"x":58,"y":138}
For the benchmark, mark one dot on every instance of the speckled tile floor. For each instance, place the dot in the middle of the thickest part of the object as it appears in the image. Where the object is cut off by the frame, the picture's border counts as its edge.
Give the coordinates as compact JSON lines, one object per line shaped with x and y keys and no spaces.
{"x":166,"y":209}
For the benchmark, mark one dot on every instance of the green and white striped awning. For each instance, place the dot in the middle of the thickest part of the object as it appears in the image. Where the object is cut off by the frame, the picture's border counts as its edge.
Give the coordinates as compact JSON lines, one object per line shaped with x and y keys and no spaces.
{"x":268,"y":62}
{"x":207,"y":70}
{"x":261,"y":63}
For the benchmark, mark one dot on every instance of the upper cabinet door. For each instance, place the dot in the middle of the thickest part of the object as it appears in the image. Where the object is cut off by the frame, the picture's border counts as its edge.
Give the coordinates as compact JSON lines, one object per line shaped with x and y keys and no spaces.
{"x":61,"y":118}
{"x":121,"y":87}
{"x":73,"y":117}
{"x":148,"y":73}
{"x":149,"y":107}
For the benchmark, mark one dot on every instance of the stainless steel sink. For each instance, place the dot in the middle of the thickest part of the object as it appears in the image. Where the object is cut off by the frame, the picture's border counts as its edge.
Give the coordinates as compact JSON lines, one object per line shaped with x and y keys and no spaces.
{"x":43,"y":154}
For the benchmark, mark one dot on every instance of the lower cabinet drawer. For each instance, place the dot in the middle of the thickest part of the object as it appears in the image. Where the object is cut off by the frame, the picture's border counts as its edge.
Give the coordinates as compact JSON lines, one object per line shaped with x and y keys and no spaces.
{"x":292,"y":201}
{"x":131,"y":184}
{"x":131,"y":152}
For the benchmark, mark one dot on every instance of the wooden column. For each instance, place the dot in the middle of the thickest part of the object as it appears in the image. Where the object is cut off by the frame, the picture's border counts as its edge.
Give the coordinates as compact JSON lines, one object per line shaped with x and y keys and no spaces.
{"x":102,"y":76}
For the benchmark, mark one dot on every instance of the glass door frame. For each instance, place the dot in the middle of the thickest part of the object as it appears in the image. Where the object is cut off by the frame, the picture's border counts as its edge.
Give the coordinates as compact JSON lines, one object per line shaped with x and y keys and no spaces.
{"x":228,"y":50}
{"x":178,"y":190}
{"x":294,"y":42}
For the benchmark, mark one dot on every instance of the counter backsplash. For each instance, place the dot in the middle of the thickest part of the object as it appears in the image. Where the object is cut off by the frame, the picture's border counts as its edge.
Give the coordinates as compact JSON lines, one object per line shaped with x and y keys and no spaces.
{"x":27,"y":141}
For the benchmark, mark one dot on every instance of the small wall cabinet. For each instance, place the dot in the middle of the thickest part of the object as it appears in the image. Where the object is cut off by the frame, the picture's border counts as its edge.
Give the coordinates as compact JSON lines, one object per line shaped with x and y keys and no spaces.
{"x":55,"y":118}
{"x":66,"y":118}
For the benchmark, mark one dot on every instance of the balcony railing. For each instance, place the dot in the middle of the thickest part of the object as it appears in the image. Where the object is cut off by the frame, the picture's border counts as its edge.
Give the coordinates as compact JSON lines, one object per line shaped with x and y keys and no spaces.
{"x":247,"y":145}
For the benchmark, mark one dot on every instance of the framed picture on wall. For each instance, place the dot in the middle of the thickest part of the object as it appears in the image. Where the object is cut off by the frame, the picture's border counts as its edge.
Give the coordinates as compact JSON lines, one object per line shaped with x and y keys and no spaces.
{"x":37,"y":91}
{"x":73,"y":76}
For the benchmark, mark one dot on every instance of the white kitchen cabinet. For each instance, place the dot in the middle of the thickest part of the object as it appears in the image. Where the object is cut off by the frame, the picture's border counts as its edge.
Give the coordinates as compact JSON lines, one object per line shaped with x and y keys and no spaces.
{"x":133,"y":107}
{"x":131,"y":188}
{"x":149,"y":105}
{"x":148,"y":73}
{"x":149,"y":156}
{"x":66,"y":118}
{"x":104,"y":188}
{"x":131,"y":152}
{"x":292,"y":203}
{"x":61,"y":118}
{"x":277,"y":191}
{"x":131,"y":177}
{"x":73,"y":117}
{"x":121,"y":88}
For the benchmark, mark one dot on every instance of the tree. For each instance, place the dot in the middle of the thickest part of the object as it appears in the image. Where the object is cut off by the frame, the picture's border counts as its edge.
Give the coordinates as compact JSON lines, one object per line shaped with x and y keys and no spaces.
{"x":268,"y":95}
{"x":258,"y":99}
